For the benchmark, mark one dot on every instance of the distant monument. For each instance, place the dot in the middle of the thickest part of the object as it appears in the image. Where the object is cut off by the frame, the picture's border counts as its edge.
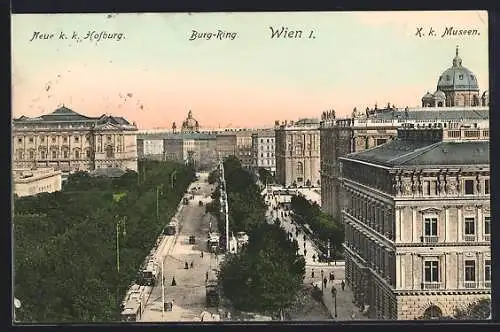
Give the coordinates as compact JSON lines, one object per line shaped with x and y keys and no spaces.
{"x":190,"y":125}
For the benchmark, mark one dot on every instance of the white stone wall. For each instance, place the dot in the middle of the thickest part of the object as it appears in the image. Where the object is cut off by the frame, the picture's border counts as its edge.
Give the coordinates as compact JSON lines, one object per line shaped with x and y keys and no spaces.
{"x":42,"y":180}
{"x":153,"y":146}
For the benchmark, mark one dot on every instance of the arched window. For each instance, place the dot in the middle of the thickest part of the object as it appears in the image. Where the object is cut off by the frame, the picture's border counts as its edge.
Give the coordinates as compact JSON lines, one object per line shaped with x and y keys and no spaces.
{"x":43,"y":154}
{"x":77,"y":154}
{"x":433,"y":312}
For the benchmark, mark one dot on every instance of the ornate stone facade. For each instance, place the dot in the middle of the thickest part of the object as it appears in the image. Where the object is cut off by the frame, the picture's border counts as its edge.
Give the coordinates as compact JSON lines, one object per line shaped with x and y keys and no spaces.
{"x":68,"y":141}
{"x":417,"y":224}
{"x":456,"y":98}
{"x":298,"y":153}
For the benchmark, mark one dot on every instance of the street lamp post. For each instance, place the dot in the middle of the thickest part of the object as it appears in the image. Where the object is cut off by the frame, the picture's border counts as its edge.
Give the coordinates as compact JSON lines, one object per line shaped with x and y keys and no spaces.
{"x":159,"y":191}
{"x":162,"y":288}
{"x":226,"y":208}
{"x":335,"y":300}
{"x":120,"y":223}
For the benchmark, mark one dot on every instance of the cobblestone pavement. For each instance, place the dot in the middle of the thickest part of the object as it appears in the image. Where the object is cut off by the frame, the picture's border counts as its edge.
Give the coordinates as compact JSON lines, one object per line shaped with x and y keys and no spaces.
{"x":188,"y":296}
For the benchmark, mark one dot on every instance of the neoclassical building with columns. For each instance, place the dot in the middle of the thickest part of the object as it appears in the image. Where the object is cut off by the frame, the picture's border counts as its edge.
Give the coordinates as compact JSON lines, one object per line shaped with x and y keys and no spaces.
{"x":297,"y":153}
{"x":68,"y":141}
{"x":417,"y":222}
{"x":457,"y":97}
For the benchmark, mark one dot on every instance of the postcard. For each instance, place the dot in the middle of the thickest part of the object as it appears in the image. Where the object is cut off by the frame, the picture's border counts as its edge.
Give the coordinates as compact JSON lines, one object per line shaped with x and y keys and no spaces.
{"x":234,"y":167}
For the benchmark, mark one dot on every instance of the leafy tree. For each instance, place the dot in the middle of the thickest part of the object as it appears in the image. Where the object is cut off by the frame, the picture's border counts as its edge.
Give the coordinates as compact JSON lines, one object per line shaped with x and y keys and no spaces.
{"x":477,"y":310}
{"x":267,"y":275}
{"x":323,"y":225}
{"x":266,"y":176}
{"x":64,"y":242}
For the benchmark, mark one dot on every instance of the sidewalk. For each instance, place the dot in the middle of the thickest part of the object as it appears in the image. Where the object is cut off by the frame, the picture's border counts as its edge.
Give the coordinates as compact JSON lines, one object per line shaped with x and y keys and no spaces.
{"x":346,"y":310}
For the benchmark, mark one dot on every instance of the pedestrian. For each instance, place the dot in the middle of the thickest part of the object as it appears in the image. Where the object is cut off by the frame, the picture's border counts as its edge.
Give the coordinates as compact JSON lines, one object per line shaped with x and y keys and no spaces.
{"x":324,"y":281}
{"x":174,"y":283}
{"x":305,"y":253}
{"x":186,"y":266}
{"x":304,"y":240}
{"x":192,"y":264}
{"x":333,"y":276}
{"x":342,"y":284}
{"x":202,"y":254}
{"x":304,"y":245}
{"x":312,"y":273}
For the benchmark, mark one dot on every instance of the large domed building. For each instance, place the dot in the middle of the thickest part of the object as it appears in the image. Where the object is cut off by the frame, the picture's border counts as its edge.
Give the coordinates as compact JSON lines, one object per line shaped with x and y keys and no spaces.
{"x":190,"y":125}
{"x":457,"y":86}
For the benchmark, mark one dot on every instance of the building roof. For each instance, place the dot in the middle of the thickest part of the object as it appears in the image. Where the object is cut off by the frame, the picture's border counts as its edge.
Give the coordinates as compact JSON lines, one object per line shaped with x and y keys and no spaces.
{"x":64,"y":114}
{"x":457,"y":78}
{"x":307,"y":121}
{"x":178,"y":135}
{"x":438,"y":114}
{"x":426,"y":153}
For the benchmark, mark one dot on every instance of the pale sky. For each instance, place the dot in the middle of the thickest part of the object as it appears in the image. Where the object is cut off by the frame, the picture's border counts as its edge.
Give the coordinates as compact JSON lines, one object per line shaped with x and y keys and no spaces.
{"x":356,"y":60}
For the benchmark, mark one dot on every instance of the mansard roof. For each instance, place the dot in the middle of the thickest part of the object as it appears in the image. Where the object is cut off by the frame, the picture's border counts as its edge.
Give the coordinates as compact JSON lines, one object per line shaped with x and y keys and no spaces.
{"x":425,"y":153}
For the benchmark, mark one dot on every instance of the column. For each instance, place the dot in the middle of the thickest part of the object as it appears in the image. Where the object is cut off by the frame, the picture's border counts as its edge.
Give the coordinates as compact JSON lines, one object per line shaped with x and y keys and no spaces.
{"x":459,"y":264}
{"x":414,"y":224}
{"x":479,"y":217}
{"x":459,"y":223}
{"x":400,"y":223}
{"x":446,"y":224}
{"x":479,"y":269}
{"x":443,"y":271}
{"x":398,"y":272}
{"x":413,"y":269}
{"x":402,"y":265}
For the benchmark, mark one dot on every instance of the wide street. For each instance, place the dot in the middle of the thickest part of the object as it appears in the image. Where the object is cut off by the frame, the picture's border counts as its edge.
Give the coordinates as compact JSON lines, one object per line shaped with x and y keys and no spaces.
{"x":188,"y":295}
{"x":344,"y":308}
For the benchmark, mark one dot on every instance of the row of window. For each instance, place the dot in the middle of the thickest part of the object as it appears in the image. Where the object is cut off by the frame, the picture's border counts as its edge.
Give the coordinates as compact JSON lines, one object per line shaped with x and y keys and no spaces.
{"x":267,"y":140}
{"x":65,"y":154}
{"x":266,"y":162}
{"x":471,"y":189}
{"x":268,"y":155}
{"x":376,"y":257}
{"x":374,"y":216}
{"x":470,"y":229}
{"x":432,"y":276}
{"x":76,"y":139}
